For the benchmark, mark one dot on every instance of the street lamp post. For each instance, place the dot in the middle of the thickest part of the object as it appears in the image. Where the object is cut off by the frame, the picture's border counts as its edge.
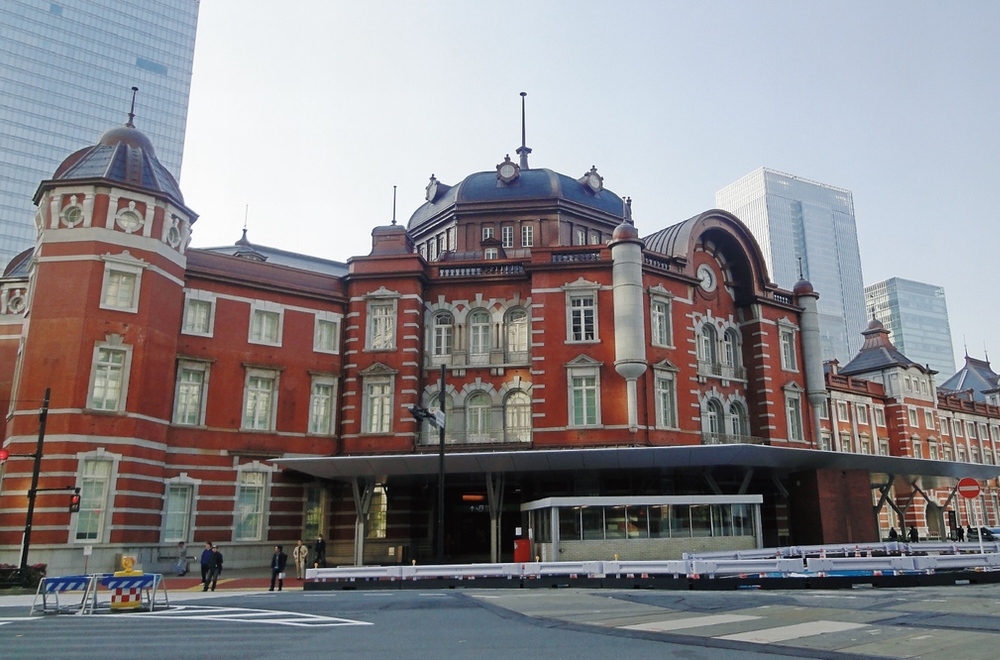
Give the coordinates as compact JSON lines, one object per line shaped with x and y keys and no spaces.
{"x":438,"y":420}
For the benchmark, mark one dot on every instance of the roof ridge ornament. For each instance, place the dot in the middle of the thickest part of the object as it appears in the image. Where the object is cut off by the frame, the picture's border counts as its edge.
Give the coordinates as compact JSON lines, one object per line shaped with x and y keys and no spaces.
{"x":131,"y":112}
{"x":523,"y":150}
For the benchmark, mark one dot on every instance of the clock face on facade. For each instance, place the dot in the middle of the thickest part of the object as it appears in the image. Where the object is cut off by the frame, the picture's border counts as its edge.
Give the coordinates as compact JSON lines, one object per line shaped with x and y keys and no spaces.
{"x":706,"y":277}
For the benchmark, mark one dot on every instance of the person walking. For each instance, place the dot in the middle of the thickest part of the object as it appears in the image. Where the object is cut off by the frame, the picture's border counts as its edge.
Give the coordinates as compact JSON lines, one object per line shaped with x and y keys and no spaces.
{"x":914,"y":537}
{"x":278,"y":561}
{"x":181,"y":567}
{"x":299,"y":554}
{"x":960,"y":533}
{"x":214,"y":568}
{"x":319,"y":551}
{"x":206,"y":563}
{"x":893,"y":536}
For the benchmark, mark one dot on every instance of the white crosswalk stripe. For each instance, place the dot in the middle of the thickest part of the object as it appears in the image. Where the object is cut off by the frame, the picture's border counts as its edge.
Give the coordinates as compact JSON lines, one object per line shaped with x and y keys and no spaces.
{"x":691,"y":622}
{"x":795,"y":631}
{"x":244,"y":614}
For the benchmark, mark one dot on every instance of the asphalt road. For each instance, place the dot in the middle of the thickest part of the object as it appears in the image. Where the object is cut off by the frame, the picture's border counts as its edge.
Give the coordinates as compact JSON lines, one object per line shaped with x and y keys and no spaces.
{"x":931,"y":622}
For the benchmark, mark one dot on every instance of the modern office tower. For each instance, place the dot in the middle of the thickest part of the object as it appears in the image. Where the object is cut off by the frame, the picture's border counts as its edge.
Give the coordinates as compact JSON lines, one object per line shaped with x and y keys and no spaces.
{"x":793,"y":218}
{"x":66,"y":72}
{"x":917,"y":316}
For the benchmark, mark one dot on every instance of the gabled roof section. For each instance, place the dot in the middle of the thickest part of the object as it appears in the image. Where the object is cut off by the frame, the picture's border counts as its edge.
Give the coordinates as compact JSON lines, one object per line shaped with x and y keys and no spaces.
{"x":244,"y":249}
{"x":878,"y":353}
{"x":976,"y":376}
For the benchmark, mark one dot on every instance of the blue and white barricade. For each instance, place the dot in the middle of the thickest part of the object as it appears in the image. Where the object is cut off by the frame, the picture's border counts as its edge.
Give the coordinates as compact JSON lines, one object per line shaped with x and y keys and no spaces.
{"x":49,"y":589}
{"x":146,"y":591}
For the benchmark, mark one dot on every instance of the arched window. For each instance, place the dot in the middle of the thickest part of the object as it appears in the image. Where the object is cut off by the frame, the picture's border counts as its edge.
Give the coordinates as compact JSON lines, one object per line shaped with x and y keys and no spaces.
{"x":479,"y":337}
{"x":443,"y":333}
{"x":517,"y":418}
{"x":430,"y":432}
{"x":517,"y":335}
{"x":714,"y":419}
{"x":731,"y":349}
{"x":479,"y":423}
{"x":738,"y":420}
{"x":707,"y":345}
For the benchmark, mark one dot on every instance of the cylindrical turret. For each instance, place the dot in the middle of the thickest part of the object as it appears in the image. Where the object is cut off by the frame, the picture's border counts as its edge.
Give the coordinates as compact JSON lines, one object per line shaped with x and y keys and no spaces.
{"x":812,"y":356}
{"x":630,"y":328}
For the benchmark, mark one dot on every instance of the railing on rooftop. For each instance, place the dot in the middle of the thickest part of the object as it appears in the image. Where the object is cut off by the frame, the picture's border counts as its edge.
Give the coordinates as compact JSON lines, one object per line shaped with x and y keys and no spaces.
{"x":587,"y":255}
{"x":481,"y":269}
{"x":730,"y":439}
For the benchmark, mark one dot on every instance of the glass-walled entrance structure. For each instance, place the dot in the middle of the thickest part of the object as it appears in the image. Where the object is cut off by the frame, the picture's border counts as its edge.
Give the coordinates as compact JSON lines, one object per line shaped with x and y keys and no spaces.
{"x":634,"y":528}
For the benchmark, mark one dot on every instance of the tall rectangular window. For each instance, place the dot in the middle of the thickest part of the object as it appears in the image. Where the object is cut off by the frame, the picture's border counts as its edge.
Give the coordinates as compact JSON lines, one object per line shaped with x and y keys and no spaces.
{"x":108,"y":379}
{"x":666,"y":402}
{"x":487,"y":233}
{"x":94,"y":482}
{"x":326,"y":334}
{"x":794,"y":409}
{"x":507,"y":236}
{"x":527,"y":236}
{"x":584,"y":400}
{"x":177,"y":512}
{"x":788,"y":361}
{"x":659,"y":318}
{"x":382,"y":326}
{"x":249,"y":516}
{"x":120,"y":290}
{"x":265,"y":327}
{"x":378,"y":403}
{"x":581,"y":237}
{"x":189,"y":399}
{"x":583,"y":314}
{"x":321,"y":406}
{"x":259,"y":395}
{"x":197,"y":317}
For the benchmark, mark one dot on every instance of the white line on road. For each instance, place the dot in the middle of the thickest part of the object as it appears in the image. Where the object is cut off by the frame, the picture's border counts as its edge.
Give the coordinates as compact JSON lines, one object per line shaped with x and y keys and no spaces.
{"x":785,"y":633}
{"x":690,"y":622}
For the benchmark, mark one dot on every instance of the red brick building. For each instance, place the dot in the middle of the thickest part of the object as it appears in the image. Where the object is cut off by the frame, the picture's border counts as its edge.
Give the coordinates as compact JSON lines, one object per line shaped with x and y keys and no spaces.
{"x":642,"y":397}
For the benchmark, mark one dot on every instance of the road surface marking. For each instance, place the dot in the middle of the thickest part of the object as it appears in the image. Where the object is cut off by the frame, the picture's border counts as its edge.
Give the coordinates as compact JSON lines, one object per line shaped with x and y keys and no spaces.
{"x":785,"y":633}
{"x":690,"y":622}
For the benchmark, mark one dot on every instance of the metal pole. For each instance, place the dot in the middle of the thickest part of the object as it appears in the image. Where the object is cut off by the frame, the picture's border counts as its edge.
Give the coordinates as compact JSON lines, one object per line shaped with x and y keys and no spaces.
{"x":42,"y":416}
{"x":440,"y":525}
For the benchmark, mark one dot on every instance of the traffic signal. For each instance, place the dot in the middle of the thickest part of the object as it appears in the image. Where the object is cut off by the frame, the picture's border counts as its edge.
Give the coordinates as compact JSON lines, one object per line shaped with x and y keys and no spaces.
{"x":74,"y":502}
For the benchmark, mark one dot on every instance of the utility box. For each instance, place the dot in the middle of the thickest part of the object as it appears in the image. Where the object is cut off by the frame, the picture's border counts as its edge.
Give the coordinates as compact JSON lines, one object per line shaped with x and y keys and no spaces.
{"x":522,"y":551}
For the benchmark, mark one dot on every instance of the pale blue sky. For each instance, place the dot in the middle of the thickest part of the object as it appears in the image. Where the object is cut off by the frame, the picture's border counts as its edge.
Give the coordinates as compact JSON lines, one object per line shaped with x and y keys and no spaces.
{"x":310,"y":111}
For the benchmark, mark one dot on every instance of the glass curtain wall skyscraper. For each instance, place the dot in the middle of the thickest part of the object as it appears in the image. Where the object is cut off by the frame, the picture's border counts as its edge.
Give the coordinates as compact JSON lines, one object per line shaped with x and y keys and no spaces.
{"x":917,"y":316}
{"x":793,"y":218}
{"x":66,"y":72}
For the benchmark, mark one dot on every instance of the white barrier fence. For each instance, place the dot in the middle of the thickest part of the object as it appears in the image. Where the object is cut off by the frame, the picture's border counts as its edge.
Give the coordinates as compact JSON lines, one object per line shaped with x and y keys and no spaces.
{"x":884,"y":558}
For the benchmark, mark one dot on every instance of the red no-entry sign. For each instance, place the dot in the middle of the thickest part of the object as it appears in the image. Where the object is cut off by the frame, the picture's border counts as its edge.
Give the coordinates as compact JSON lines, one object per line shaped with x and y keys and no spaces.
{"x":968,"y":487}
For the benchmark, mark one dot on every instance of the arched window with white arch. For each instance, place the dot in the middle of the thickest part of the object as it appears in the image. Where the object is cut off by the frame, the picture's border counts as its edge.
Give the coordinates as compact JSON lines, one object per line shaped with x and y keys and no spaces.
{"x":517,"y":417}
{"x":739,"y":421}
{"x":479,"y":418}
{"x":479,"y":337}
{"x":518,"y":334}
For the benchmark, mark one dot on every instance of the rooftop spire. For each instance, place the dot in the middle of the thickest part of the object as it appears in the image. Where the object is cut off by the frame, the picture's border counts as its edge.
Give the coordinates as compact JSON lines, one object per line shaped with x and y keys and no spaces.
{"x":523,"y":150}
{"x":131,"y":111}
{"x":394,"y":204}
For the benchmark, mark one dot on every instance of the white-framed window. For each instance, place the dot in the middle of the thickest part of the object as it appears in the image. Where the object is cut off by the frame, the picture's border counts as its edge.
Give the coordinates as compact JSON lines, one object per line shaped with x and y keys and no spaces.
{"x":265,"y":323}
{"x":581,"y":237}
{"x":109,"y":375}
{"x":432,"y":247}
{"x":595,"y":238}
{"x":970,"y":428}
{"x":444,"y":327}
{"x":377,"y":404}
{"x":932,"y":450}
{"x":715,"y":418}
{"x":786,"y":337}
{"x":479,"y":417}
{"x":666,"y":395}
{"x":824,"y":412}
{"x":322,"y":396}
{"x":199,"y":313}
{"x":842,"y":412}
{"x":660,"y":325}
{"x":326,"y":333}
{"x":527,"y":235}
{"x":179,"y":496}
{"x":879,"y":416}
{"x":708,"y":345}
{"x":945,"y":424}
{"x":260,"y":399}
{"x":487,"y":233}
{"x":122,"y":282}
{"x":423,"y":250}
{"x":507,"y":236}
{"x":959,"y":428}
{"x":251,"y":489}
{"x":793,"y":408}
{"x":96,"y":473}
{"x":912,"y":413}
{"x":518,"y":333}
{"x":917,"y":449}
{"x":381,"y":335}
{"x":929,"y":420}
{"x":825,"y":442}
{"x":479,"y":337}
{"x":581,"y":311}
{"x":517,"y":417}
{"x":732,"y":353}
{"x":861,"y":410}
{"x":739,"y":420}
{"x":491,"y":253}
{"x":866,"y":444}
{"x":883,"y":446}
{"x":584,"y":384}
{"x":191,"y":392}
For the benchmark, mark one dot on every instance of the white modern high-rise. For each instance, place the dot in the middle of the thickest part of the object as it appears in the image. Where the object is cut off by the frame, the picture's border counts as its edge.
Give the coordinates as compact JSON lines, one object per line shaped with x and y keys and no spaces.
{"x":66,"y":72}
{"x":793,"y":218}
{"x":917,"y":317}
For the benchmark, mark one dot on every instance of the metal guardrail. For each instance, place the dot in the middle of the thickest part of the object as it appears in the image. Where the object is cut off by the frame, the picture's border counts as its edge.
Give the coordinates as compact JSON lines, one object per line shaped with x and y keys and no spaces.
{"x":877,"y":558}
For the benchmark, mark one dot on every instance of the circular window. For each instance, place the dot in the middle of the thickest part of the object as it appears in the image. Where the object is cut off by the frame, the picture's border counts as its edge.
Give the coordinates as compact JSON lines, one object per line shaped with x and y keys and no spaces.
{"x":173,"y":237}
{"x":16,"y":304}
{"x":72,"y":216}
{"x":129,"y":221}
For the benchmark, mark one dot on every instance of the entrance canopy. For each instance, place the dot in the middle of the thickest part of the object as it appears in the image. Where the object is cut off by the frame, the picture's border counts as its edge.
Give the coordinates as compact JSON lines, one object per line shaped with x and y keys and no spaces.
{"x":932,"y":474}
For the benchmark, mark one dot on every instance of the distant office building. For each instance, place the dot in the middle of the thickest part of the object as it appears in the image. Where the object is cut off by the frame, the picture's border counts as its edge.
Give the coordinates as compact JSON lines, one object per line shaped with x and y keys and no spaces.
{"x":794,"y":218}
{"x":66,"y":69}
{"x":916,"y":315}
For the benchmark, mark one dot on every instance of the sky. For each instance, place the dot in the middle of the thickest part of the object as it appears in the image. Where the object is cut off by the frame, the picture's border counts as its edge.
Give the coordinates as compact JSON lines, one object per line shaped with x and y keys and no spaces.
{"x":304,"y":115}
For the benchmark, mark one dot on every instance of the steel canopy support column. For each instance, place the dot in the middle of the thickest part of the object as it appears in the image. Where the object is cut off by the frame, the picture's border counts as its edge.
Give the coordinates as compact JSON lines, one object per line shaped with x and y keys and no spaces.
{"x":494,"y":496}
{"x":363,"y":488}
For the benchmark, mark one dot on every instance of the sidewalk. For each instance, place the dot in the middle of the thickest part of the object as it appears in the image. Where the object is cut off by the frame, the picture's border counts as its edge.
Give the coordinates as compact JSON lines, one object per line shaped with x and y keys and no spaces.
{"x":245,"y":579}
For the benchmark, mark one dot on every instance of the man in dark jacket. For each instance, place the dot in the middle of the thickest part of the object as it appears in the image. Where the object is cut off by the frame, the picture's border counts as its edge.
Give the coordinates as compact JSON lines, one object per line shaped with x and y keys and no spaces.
{"x":319,"y":550}
{"x":206,"y":562}
{"x":278,"y":561}
{"x":214,"y":568}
